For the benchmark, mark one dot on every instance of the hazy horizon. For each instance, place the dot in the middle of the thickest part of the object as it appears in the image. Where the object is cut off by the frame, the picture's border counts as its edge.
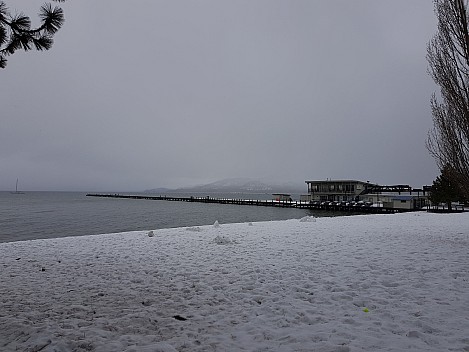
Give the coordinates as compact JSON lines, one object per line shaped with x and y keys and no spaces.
{"x":237,"y":183}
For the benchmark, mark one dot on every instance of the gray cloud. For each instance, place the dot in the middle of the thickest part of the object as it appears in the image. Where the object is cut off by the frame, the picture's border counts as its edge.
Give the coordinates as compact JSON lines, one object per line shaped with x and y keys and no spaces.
{"x":173,"y":93}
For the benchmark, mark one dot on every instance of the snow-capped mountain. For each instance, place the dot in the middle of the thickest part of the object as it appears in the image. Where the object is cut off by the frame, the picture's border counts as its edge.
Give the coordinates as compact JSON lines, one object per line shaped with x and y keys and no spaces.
{"x":240,"y":185}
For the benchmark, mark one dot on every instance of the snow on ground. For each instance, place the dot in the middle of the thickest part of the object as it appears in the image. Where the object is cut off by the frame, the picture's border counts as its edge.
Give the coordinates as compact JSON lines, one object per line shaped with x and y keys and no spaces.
{"x":360,"y":283}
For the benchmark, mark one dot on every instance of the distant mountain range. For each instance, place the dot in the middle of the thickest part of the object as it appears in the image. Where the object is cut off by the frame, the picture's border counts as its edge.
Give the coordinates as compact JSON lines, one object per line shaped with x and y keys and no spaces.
{"x":235,"y":185}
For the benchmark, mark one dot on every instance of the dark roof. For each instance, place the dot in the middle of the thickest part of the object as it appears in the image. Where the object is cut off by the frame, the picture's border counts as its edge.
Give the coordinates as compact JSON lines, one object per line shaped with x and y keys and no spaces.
{"x":337,"y":181}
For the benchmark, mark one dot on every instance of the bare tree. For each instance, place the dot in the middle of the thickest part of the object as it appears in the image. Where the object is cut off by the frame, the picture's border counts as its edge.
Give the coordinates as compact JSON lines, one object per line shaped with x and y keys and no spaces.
{"x":448,"y":58}
{"x":16,"y":32}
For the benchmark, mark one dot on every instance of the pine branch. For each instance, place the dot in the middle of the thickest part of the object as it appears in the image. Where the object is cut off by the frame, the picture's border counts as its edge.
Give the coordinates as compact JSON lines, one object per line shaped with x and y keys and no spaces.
{"x":16,"y":32}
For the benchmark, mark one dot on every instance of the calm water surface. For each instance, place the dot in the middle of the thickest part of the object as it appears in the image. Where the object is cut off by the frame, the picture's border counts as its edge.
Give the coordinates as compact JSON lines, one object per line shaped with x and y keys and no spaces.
{"x":35,"y":215}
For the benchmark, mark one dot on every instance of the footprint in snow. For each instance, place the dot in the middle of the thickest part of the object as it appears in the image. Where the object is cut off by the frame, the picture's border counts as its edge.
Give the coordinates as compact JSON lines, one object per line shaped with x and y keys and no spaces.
{"x":223,"y":240}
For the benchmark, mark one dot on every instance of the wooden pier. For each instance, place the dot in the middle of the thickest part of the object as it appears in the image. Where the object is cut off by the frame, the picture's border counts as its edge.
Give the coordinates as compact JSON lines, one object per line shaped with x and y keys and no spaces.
{"x":262,"y":203}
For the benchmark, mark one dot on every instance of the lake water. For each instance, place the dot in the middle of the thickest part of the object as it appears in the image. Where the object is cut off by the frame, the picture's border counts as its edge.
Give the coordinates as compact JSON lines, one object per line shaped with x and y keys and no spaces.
{"x":35,"y":215}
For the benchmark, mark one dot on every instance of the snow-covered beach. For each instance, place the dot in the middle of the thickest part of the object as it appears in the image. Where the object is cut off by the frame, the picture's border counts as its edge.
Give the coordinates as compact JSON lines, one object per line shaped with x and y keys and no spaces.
{"x":360,"y":283}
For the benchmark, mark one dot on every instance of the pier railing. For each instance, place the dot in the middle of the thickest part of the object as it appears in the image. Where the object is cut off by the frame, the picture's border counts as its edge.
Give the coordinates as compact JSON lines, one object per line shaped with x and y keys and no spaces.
{"x":258,"y":202}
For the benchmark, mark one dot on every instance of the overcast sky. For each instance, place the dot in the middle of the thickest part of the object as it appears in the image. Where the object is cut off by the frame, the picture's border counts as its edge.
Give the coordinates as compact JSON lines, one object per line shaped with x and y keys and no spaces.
{"x":143,"y":94}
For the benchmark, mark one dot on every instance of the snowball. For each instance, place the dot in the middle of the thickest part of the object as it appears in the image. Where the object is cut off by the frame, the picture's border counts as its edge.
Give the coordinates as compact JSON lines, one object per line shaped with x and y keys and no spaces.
{"x":308,"y":219}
